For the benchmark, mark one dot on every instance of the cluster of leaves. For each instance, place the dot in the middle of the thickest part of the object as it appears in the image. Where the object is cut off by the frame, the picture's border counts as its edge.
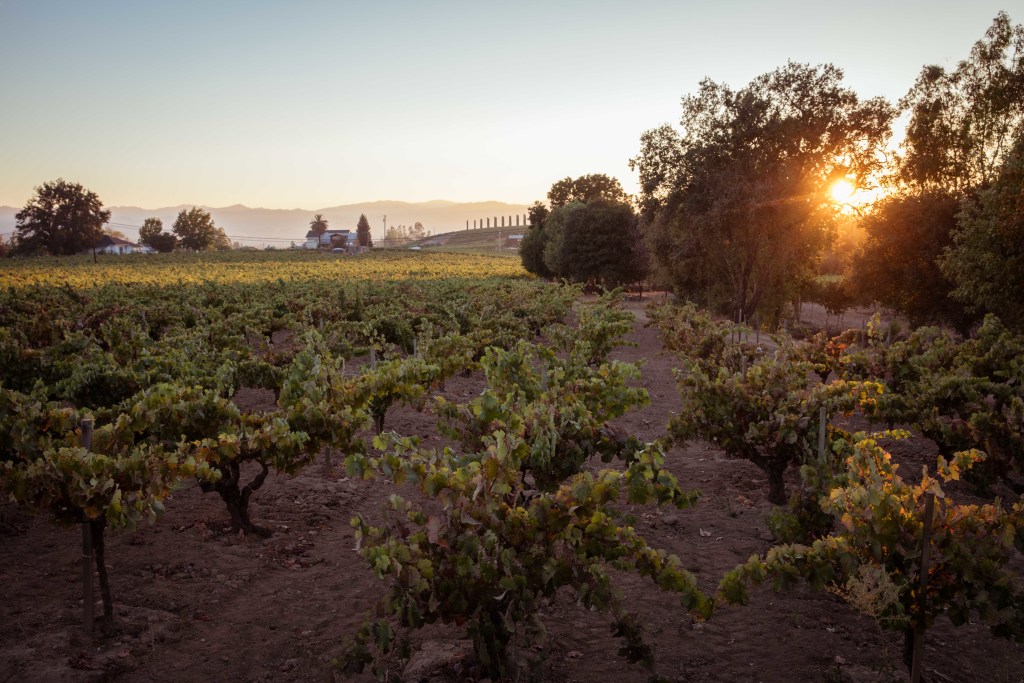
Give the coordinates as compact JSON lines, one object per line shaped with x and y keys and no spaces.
{"x":755,"y":406}
{"x":517,"y":518}
{"x":560,"y":402}
{"x":855,"y":527}
{"x":120,"y":480}
{"x":875,"y":555}
{"x":961,"y":394}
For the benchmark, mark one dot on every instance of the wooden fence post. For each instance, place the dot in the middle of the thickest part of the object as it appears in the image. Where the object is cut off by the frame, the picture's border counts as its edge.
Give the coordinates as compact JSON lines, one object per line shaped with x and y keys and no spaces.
{"x":88,"y":602}
{"x":821,"y":435}
{"x":926,"y":537}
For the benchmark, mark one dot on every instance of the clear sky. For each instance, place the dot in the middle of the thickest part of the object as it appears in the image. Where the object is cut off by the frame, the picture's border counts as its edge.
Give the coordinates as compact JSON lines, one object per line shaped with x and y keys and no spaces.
{"x":308,"y":104}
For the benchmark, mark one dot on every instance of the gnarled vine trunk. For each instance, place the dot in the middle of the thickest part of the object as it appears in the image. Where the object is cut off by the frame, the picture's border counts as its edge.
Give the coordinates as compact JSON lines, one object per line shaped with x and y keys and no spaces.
{"x":236,"y":497}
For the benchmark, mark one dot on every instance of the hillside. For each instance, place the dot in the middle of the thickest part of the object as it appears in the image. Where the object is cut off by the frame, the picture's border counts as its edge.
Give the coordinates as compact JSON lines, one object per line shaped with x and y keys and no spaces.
{"x":257,"y":227}
{"x":480,"y":240}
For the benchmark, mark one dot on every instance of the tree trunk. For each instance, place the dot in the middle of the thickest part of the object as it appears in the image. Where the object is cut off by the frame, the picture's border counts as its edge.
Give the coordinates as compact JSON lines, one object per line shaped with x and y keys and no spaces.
{"x":491,"y":642}
{"x":96,"y":529}
{"x":776,"y":484}
{"x":236,"y":498}
{"x":908,"y":647}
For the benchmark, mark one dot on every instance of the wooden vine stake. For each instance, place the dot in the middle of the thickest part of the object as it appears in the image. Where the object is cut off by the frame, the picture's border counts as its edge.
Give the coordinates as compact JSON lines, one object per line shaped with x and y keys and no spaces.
{"x":926,"y":537}
{"x":88,"y":605}
{"x":821,"y":435}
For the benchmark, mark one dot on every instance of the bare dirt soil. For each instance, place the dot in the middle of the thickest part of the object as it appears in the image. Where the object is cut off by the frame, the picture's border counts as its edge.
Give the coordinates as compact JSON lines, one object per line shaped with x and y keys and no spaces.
{"x":195,"y":604}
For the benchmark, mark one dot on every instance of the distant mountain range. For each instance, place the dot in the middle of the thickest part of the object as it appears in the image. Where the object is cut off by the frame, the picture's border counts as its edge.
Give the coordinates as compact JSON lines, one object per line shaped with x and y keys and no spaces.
{"x":281,"y":226}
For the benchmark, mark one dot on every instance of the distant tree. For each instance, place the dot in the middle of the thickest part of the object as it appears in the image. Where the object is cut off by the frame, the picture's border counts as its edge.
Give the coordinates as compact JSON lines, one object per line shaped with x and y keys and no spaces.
{"x":318,"y":225}
{"x":151,"y":228}
{"x":152,"y":234}
{"x":363,"y":231}
{"x":62,"y":218}
{"x":397,"y":236}
{"x":586,"y":188}
{"x":736,"y":205}
{"x":110,"y":232}
{"x":596,"y":243}
{"x":196,"y":231}
{"x":986,"y":260}
{"x":221,"y":241}
{"x":417,"y":231}
{"x":165,"y":242}
{"x":5,"y":247}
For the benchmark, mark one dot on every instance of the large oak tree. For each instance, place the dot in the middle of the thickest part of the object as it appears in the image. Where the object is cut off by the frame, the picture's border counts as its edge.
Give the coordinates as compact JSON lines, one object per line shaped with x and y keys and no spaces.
{"x":736,"y":203}
{"x":62,"y":218}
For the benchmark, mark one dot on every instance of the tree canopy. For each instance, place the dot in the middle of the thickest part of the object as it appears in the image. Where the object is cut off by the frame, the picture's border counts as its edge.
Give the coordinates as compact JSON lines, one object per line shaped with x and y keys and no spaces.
{"x":986,"y":260}
{"x":589,"y":235}
{"x":737,"y":204}
{"x":963,"y":122}
{"x":586,"y":188}
{"x":895,"y":264}
{"x":152,"y":234}
{"x":61,"y":218}
{"x":151,"y":227}
{"x":960,"y":133}
{"x":597,"y":243}
{"x":531,"y":249}
{"x":195,"y":230}
{"x":318,"y":225}
{"x":363,"y":231}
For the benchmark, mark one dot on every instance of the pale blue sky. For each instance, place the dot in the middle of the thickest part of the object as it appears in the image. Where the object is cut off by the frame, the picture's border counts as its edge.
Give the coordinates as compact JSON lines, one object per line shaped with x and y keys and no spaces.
{"x":313,"y":104}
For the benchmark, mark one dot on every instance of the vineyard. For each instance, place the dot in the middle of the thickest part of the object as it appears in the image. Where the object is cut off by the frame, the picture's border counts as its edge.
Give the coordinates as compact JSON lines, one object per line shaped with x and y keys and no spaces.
{"x":296,"y":467}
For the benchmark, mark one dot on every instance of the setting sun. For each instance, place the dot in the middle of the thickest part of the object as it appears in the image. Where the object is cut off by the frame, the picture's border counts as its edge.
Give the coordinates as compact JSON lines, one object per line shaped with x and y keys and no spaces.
{"x":851,"y":198}
{"x":842,"y":191}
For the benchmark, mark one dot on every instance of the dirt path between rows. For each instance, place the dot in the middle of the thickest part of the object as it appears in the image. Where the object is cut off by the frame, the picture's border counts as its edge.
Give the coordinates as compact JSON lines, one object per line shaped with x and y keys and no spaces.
{"x":195,"y":604}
